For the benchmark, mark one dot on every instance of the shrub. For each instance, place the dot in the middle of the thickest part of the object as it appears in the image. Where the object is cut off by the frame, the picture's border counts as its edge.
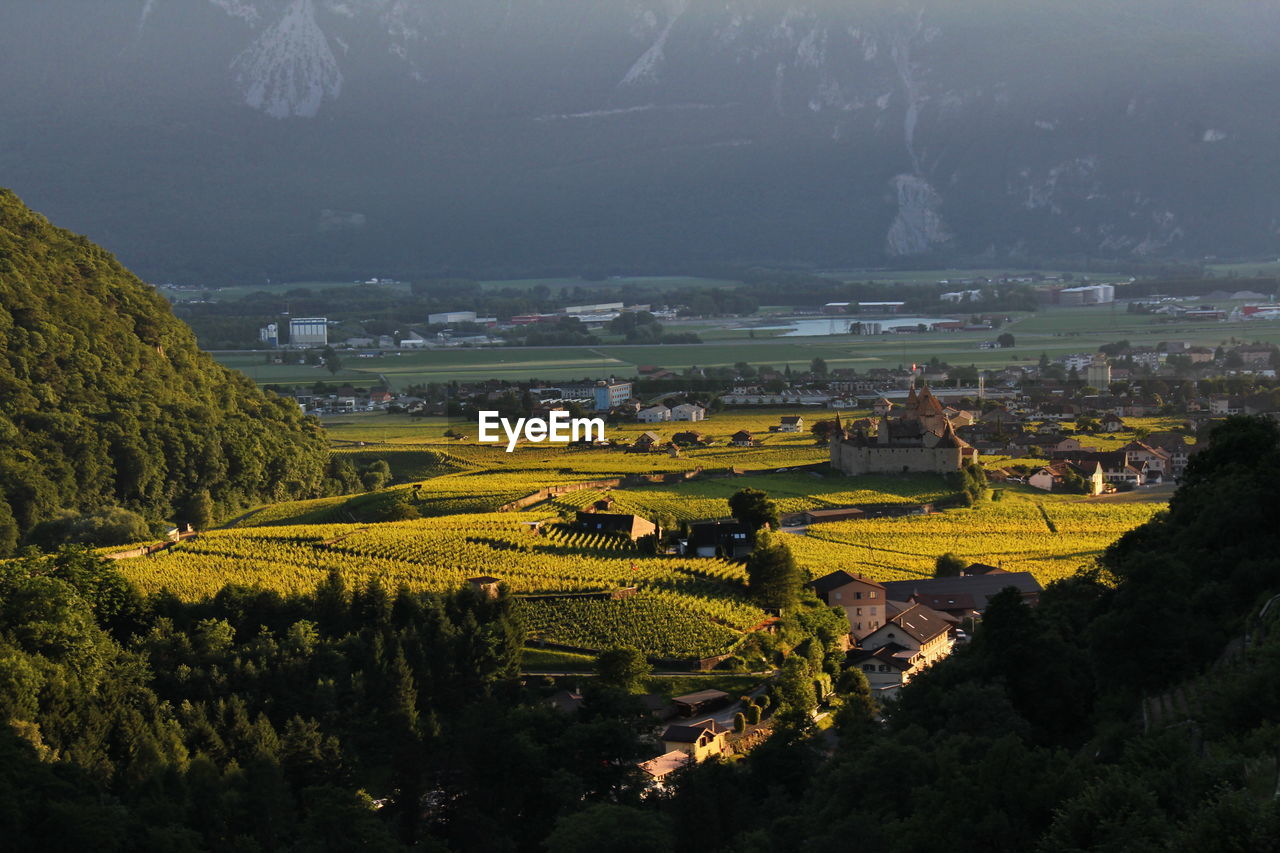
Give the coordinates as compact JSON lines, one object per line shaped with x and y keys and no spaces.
{"x":108,"y":526}
{"x":739,"y":722}
{"x":752,"y":715}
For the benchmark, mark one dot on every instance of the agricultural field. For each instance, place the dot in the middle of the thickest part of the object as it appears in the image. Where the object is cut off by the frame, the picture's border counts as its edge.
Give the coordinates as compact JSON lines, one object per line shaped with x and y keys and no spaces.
{"x":1050,"y":536}
{"x":566,"y":286}
{"x":792,"y":492}
{"x":1054,"y":331}
{"x":684,"y":607}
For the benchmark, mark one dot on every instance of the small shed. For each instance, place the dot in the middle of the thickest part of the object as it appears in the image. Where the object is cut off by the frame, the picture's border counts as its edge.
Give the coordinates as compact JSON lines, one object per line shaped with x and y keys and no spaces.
{"x":703,"y":700}
{"x":485,"y":585}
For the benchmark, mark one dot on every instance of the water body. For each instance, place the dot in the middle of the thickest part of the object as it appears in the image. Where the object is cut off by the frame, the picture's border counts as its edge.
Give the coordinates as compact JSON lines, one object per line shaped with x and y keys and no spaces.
{"x":820,"y":327}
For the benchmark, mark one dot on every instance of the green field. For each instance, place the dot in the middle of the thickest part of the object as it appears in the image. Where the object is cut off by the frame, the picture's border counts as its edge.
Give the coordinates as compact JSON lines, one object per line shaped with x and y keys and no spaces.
{"x":567,"y":285}
{"x":1052,"y":331}
{"x":954,"y":275}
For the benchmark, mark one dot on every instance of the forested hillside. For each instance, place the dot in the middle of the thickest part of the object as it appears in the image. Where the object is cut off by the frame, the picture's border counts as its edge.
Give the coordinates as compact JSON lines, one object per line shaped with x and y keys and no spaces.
{"x":105,"y":400}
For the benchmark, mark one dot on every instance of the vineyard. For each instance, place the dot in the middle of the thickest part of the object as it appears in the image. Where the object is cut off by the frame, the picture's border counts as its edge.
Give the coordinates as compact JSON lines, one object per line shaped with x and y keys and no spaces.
{"x":658,"y":625}
{"x":793,"y":492}
{"x":441,"y":554}
{"x":1013,"y":533}
{"x":685,"y":606}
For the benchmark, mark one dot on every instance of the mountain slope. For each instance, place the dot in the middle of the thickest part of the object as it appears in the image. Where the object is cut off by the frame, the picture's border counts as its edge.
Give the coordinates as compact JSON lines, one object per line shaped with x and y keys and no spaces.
{"x":106,"y":401}
{"x":322,"y":137}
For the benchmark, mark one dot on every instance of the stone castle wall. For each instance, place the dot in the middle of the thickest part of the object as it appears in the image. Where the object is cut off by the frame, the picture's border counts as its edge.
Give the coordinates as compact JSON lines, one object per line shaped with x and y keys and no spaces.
{"x":851,"y":459}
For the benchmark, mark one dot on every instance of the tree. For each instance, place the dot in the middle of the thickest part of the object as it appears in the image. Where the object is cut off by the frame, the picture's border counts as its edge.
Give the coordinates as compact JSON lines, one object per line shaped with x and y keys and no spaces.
{"x":106,"y":526}
{"x":948,"y":565}
{"x":796,"y":696}
{"x":753,"y":509}
{"x":773,"y":579}
{"x":605,"y":826}
{"x":823,"y":430}
{"x":1006,"y":340}
{"x":624,"y":668}
{"x":332,"y":362}
{"x":200,"y":510}
{"x":818,"y":366}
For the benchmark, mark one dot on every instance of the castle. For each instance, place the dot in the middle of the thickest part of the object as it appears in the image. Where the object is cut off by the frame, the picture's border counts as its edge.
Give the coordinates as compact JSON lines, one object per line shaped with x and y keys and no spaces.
{"x":921,"y":438}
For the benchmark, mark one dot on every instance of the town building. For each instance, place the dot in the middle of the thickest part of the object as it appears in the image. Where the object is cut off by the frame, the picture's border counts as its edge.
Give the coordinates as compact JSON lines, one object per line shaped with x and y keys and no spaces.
{"x":654,"y":414}
{"x":688,"y":412}
{"x":1056,"y":476}
{"x":700,"y":741}
{"x":864,"y":601}
{"x":659,"y":769}
{"x":967,"y":595}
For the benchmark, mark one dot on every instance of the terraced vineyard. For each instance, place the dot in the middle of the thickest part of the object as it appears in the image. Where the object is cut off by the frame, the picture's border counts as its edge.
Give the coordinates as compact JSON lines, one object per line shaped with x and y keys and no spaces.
{"x":1012,"y":533}
{"x":441,"y":554}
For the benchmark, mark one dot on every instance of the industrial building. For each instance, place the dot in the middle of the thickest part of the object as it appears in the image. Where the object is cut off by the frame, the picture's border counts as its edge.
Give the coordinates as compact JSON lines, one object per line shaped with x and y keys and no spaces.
{"x":309,"y":332}
{"x":1093,"y":294}
{"x":446,"y":317}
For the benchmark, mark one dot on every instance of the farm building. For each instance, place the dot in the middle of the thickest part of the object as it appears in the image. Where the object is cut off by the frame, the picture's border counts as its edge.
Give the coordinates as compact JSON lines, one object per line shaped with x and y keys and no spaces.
{"x":791,"y":423}
{"x":702,"y":700}
{"x":630,"y":526}
{"x":822,"y":516}
{"x":726,"y":538}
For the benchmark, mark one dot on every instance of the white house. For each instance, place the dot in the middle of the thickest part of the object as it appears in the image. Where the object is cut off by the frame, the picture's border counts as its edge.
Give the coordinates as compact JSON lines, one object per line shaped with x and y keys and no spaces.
{"x":688,"y":412}
{"x":654,"y":414}
{"x":792,"y":423}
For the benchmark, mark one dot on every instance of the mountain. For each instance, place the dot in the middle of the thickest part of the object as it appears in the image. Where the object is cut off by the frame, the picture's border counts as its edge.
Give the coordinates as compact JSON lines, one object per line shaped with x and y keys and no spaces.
{"x":234,"y":140}
{"x":105,"y":401}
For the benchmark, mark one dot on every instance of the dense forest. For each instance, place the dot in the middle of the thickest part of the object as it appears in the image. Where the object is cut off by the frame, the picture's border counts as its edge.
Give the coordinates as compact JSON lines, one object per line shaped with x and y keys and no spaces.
{"x":107,"y":404}
{"x":1133,"y":709}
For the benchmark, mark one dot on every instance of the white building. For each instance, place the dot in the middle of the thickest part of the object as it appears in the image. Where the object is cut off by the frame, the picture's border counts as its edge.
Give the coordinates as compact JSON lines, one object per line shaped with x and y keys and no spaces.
{"x":413,"y":341}
{"x":1093,"y":294}
{"x":270,"y":335}
{"x":309,"y":332}
{"x":654,"y":414}
{"x":446,"y":317}
{"x":688,"y":412}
